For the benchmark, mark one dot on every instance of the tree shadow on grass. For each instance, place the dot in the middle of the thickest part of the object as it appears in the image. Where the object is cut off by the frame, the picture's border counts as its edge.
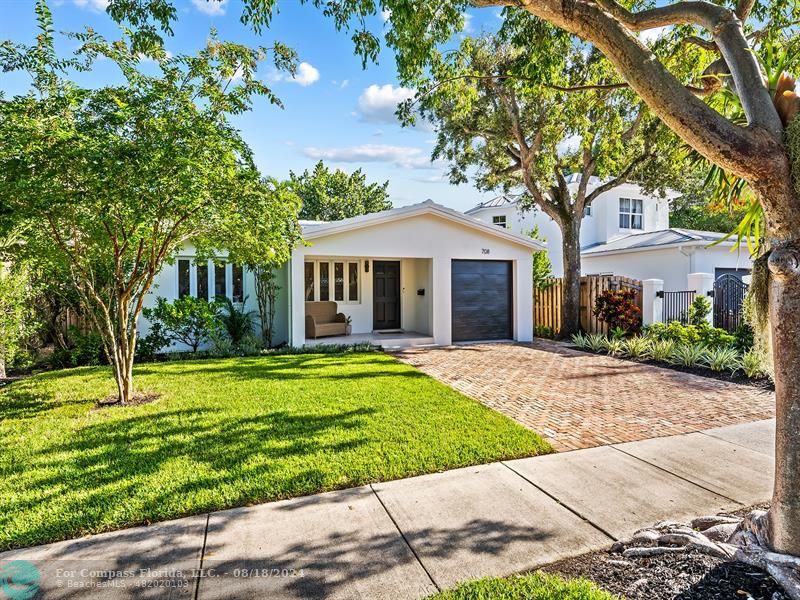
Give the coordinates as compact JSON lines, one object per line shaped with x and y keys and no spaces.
{"x":117,"y":468}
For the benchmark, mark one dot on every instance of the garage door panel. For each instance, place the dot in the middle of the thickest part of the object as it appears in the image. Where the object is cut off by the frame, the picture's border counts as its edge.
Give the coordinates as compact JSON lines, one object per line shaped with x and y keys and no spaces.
{"x":481,"y":300}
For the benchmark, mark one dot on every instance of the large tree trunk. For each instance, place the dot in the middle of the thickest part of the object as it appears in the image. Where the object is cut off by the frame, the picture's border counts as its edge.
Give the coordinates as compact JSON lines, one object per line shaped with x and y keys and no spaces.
{"x":2,"y":364}
{"x":784,"y":513}
{"x":571,"y":248}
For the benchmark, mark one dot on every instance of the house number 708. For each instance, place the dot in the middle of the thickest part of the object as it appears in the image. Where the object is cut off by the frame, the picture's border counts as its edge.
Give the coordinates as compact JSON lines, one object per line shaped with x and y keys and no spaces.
{"x":484,"y":250}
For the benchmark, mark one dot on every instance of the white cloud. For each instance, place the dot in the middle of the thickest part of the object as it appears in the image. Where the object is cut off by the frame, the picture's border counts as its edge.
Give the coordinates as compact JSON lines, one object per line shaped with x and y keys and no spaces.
{"x":378,"y":103}
{"x":98,"y":5}
{"x":341,"y":84}
{"x":214,"y":8}
{"x":306,"y":75}
{"x":467,"y":23}
{"x":406,"y":157}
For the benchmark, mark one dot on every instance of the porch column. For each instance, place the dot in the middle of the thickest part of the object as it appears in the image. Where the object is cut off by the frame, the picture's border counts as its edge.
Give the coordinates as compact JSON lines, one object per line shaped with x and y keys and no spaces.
{"x":523,"y":300}
{"x":297,"y":299}
{"x":442,"y":318}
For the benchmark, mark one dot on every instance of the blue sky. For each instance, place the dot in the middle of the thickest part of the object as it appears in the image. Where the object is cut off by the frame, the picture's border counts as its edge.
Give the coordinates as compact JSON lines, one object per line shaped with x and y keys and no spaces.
{"x":334,"y":110}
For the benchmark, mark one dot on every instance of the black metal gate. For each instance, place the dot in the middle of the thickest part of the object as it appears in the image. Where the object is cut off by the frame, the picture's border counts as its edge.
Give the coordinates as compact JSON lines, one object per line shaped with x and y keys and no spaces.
{"x":729,"y":293}
{"x":675,"y":306}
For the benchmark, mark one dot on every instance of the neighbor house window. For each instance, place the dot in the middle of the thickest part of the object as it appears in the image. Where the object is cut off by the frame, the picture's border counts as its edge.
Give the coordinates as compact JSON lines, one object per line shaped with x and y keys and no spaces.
{"x":499,"y":220}
{"x":324,"y":282}
{"x":587,"y":211}
{"x":630,"y":213}
{"x":220,"y":283}
{"x":309,"y":278}
{"x":237,"y":279}
{"x":338,"y":281}
{"x":202,"y":281}
{"x":184,"y":288}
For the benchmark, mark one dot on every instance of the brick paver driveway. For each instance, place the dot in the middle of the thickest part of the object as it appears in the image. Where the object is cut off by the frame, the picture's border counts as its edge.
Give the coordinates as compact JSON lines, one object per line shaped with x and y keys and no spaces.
{"x":579,"y":400}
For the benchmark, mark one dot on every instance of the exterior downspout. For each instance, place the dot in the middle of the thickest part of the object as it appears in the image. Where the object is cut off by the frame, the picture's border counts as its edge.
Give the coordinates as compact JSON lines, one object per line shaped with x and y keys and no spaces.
{"x":690,"y":256}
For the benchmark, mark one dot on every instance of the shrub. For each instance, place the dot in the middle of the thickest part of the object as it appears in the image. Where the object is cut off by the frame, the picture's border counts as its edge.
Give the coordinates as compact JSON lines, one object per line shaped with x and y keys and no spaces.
{"x":237,"y":321}
{"x":722,"y":359}
{"x":188,"y":320}
{"x":543,"y":331}
{"x":752,"y":364}
{"x":84,"y":349}
{"x":250,"y":345}
{"x":580,"y":340}
{"x":690,"y":334}
{"x":688,"y":355}
{"x":662,"y":350}
{"x":699,"y":311}
{"x":596,"y":342}
{"x":618,"y":308}
{"x":744,"y":338}
{"x":221,"y":344}
{"x":638,"y":348}
{"x":615,"y":347}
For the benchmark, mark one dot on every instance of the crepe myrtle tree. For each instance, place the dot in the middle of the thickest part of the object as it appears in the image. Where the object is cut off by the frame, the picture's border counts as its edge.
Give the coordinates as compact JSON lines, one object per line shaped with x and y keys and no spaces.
{"x":761,"y":146}
{"x":518,"y":133}
{"x":111,"y":182}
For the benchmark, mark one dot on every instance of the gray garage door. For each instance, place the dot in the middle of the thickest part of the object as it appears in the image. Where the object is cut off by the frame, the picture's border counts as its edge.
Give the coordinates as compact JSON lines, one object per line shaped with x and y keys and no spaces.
{"x":482,"y":300}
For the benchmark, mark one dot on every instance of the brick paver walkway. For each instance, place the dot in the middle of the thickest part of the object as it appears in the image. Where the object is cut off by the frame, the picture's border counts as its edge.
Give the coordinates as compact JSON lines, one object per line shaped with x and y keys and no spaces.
{"x":580,"y":400}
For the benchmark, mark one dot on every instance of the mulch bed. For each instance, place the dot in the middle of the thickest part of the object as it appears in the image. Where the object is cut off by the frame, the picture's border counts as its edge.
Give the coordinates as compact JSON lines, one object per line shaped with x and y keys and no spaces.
{"x":764,"y":383}
{"x":136,"y":399}
{"x":684,"y":576}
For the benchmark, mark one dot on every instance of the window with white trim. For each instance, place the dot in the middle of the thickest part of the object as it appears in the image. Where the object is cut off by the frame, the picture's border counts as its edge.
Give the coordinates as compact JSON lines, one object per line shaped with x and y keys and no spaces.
{"x":587,"y":211}
{"x":499,"y":220}
{"x":206,"y":280}
{"x":336,"y":280}
{"x":631,"y":213}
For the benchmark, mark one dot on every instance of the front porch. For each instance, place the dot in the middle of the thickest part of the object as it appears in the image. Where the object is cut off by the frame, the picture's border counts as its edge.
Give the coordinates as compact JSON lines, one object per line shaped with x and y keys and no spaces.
{"x":388,"y":340}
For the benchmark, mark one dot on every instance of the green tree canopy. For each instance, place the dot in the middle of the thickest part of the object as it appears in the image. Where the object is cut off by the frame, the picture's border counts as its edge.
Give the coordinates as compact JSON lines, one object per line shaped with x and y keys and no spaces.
{"x":332,"y":195}
{"x":109,"y":183}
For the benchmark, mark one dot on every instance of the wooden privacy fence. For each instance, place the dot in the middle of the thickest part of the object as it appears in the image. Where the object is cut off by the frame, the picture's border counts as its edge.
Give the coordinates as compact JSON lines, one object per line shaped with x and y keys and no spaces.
{"x":548,"y":302}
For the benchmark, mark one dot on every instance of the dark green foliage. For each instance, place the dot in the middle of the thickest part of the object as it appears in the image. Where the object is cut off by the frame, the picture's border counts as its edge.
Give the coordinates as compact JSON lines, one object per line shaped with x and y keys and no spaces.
{"x":699,"y":310}
{"x":235,"y":319}
{"x":332,"y":195}
{"x":744,"y":337}
{"x":187,"y":320}
{"x":83,"y":349}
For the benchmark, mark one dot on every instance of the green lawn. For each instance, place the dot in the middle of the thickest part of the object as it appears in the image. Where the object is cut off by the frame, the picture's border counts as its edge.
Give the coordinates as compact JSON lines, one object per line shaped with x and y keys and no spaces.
{"x":226,"y":433}
{"x":536,"y":586}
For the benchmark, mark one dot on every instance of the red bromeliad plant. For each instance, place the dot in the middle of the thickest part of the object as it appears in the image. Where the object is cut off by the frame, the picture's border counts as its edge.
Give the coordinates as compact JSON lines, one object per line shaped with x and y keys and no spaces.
{"x":618,"y":308}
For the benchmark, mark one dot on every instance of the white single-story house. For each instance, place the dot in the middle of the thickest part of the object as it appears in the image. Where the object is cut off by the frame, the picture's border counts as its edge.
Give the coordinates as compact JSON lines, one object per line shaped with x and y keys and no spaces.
{"x":414,"y":275}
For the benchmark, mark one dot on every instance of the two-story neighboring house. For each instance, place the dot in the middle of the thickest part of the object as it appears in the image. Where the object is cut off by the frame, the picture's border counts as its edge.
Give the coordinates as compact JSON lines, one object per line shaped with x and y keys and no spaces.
{"x":626,"y":232}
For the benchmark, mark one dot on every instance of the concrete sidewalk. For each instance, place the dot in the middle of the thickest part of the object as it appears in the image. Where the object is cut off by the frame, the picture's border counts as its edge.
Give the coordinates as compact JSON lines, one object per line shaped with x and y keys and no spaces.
{"x":408,"y":538}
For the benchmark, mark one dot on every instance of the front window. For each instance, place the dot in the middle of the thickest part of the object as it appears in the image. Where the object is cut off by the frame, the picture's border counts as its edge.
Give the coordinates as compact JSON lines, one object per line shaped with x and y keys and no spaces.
{"x":202,"y":281}
{"x":309,"y":277}
{"x":499,"y":220}
{"x":237,"y":279}
{"x":587,"y":211}
{"x":631,"y":213}
{"x":184,"y":288}
{"x":332,"y":280}
{"x":220,"y":282}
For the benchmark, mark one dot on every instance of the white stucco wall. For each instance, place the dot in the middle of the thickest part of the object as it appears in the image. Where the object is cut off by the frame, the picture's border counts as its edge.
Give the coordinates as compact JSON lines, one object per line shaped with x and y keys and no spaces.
{"x":425,"y":245}
{"x":672,"y":265}
{"x":166,"y":285}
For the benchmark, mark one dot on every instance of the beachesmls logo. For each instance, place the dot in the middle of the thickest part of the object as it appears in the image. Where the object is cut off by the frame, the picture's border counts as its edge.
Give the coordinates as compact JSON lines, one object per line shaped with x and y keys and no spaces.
{"x":19,"y":580}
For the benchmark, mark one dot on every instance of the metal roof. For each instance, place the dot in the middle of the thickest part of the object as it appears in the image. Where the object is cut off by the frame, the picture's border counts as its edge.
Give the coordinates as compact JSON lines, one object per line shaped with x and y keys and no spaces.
{"x":657,"y":239}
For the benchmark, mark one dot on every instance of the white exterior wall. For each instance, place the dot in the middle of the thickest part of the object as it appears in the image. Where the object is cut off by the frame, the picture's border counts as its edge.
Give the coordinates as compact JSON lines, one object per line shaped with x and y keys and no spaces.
{"x":672,"y":265}
{"x":166,"y":286}
{"x":601,"y":226}
{"x":425,"y":245}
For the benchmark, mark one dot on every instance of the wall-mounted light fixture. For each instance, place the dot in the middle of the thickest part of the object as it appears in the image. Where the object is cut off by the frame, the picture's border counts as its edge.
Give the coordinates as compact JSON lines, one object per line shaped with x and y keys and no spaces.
{"x":366,"y":266}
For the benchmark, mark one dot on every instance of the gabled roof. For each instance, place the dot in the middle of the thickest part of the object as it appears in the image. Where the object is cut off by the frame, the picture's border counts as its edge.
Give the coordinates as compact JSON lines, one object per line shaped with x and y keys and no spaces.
{"x":657,"y":239}
{"x":494,"y":203}
{"x":316,"y":229}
